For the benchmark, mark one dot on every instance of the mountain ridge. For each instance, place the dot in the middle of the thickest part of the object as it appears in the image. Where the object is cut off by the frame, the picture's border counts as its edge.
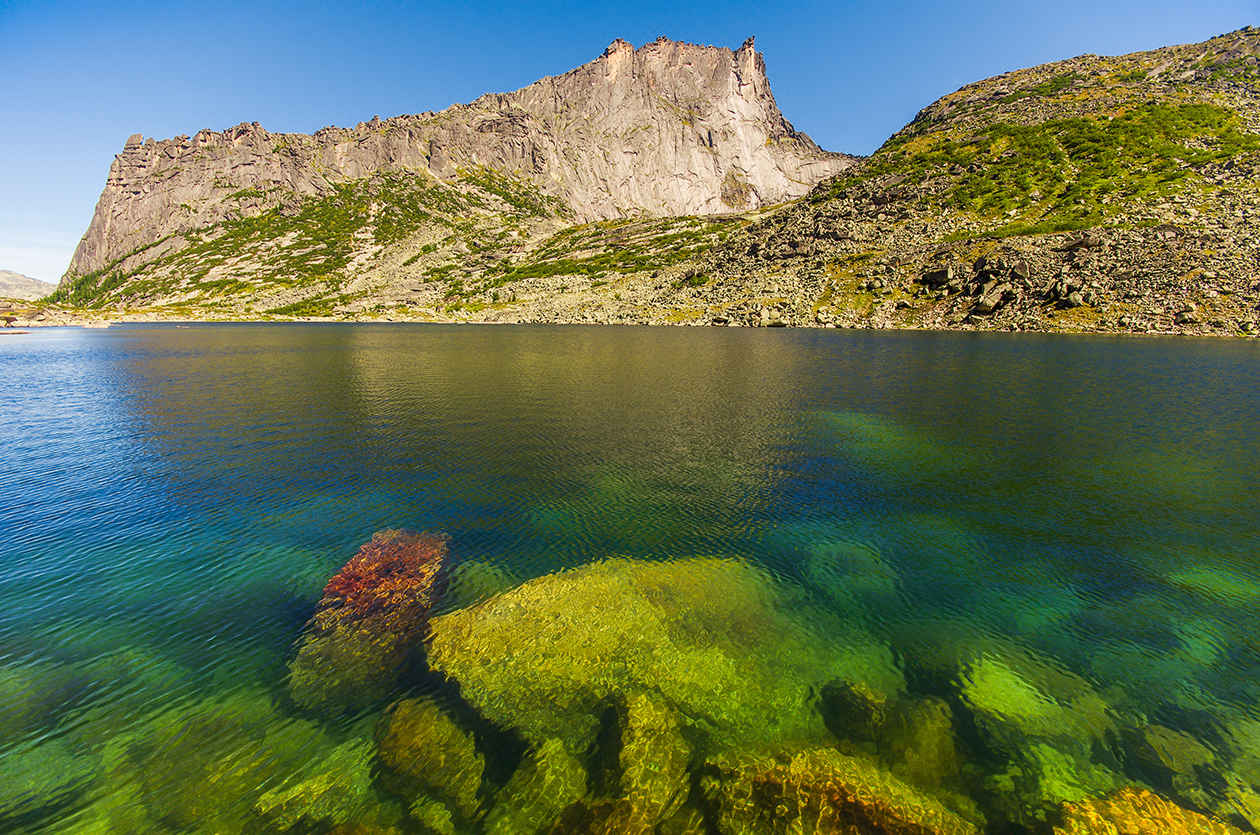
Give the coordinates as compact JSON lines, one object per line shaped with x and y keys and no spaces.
{"x":667,"y":129}
{"x":1091,"y":194}
{"x":14,"y":285}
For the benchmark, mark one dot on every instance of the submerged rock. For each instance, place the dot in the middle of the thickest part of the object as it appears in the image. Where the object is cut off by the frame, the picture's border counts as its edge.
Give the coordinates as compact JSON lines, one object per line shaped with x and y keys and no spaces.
{"x":821,"y":792}
{"x":547,"y":781}
{"x":41,"y":780}
{"x":206,"y":764}
{"x":370,"y":619}
{"x":428,"y":759}
{"x":716,"y":641}
{"x":333,"y":796}
{"x":1132,"y":811}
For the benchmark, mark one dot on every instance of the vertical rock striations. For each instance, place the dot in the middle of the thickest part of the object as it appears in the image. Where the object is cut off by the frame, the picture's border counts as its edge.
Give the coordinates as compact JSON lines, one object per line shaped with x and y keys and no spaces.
{"x":667,"y":129}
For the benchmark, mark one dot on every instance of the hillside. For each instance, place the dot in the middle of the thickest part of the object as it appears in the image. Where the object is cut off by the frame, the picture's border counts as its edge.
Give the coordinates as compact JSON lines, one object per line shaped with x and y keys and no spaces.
{"x":427,"y":206}
{"x":17,"y":286}
{"x":1115,"y":194}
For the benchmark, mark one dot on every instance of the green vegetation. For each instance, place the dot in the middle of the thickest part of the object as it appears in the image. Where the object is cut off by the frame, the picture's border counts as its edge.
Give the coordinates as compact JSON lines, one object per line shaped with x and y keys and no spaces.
{"x":1065,"y":174}
{"x":616,"y":247}
{"x":309,"y":245}
{"x":1048,"y":89}
{"x":520,"y":196}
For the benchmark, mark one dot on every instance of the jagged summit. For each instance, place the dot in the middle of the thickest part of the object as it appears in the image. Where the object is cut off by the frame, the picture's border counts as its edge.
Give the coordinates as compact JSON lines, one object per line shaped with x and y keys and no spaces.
{"x":667,"y":129}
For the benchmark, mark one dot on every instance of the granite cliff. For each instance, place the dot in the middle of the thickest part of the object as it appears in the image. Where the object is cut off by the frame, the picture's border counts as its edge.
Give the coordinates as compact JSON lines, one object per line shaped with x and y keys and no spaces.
{"x":668,"y":129}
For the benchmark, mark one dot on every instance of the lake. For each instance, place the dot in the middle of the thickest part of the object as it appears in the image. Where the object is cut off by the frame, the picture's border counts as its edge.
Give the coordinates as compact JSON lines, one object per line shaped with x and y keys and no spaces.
{"x":696,"y":579}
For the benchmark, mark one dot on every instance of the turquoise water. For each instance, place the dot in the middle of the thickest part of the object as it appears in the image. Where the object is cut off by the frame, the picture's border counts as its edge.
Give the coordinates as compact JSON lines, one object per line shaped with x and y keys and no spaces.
{"x":1056,"y":538}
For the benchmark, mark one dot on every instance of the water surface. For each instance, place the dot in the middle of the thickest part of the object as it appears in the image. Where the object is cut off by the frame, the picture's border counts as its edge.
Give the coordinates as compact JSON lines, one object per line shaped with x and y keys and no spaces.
{"x":1070,"y":521}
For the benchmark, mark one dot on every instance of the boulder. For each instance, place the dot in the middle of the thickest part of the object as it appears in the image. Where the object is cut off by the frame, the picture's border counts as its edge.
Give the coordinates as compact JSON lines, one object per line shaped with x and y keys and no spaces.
{"x":1134,"y":811}
{"x":548,"y":781}
{"x":424,"y":755}
{"x":372,"y":616}
{"x":333,"y":796}
{"x":717,"y":641}
{"x":820,"y":791}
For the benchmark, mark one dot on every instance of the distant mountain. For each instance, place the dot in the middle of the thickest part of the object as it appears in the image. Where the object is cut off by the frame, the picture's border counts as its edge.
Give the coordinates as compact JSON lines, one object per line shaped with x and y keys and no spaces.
{"x":250,"y":219}
{"x":17,"y":286}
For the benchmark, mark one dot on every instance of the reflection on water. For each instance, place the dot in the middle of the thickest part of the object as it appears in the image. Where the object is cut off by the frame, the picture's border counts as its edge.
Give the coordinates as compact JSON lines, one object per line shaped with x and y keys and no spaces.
{"x":698,"y":581}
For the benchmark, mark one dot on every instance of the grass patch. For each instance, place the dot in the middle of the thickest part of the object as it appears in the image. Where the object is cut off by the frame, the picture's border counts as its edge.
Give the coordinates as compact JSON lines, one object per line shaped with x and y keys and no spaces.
{"x":1065,"y":174}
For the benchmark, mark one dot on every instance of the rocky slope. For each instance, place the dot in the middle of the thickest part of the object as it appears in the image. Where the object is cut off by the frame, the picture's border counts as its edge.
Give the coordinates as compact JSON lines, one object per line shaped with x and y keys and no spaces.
{"x":17,"y":286}
{"x":1115,"y":194}
{"x":669,"y":129}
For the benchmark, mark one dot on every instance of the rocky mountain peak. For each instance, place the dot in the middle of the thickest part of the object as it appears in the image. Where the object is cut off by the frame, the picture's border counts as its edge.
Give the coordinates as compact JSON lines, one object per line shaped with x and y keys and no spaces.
{"x":666,"y":129}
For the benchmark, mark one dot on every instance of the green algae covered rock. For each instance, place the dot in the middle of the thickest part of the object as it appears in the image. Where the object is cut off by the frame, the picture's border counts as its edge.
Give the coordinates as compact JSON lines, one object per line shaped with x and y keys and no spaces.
{"x":715,"y":640}
{"x":654,"y":758}
{"x":428,"y":759}
{"x":40,"y":778}
{"x":920,"y":742}
{"x":820,"y":791}
{"x":547,"y":781}
{"x":1132,"y":811}
{"x":334,"y":795}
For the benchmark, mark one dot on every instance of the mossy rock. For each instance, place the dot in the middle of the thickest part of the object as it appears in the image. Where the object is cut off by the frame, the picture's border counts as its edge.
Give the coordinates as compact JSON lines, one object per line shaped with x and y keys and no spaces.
{"x":424,"y":754}
{"x":719,"y":642}
{"x":919,"y":739}
{"x":368,"y":623}
{"x":820,"y":791}
{"x":334,"y":795}
{"x":547,"y":781}
{"x":42,"y":779}
{"x":1132,"y":811}
{"x":1019,"y":698}
{"x":207,"y":764}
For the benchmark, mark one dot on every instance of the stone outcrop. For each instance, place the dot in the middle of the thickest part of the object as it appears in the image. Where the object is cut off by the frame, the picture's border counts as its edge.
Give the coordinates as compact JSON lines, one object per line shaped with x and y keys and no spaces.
{"x":373,"y":613}
{"x":667,"y":129}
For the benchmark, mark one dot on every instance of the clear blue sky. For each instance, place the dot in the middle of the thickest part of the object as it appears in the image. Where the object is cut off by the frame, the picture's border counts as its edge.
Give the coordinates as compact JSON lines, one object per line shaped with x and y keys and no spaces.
{"x":77,"y":78}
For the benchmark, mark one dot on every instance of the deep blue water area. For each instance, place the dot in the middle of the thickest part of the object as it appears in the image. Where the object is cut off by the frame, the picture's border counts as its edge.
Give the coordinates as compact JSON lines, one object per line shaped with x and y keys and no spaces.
{"x":999,"y":513}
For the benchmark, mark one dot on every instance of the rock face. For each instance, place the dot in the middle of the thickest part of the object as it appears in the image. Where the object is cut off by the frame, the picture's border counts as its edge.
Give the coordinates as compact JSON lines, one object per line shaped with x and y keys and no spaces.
{"x":667,"y":129}
{"x":373,"y":613}
{"x":824,"y":792}
{"x":1136,"y":812}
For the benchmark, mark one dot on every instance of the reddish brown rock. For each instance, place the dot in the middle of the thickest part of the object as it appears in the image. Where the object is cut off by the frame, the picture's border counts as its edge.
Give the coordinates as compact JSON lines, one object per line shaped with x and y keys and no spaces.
{"x":372,"y":616}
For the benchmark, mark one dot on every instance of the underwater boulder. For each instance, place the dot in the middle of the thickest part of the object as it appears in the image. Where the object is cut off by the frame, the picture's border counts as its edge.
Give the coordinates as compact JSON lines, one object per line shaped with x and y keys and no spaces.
{"x":427,"y":759}
{"x":920,"y":740}
{"x":649,"y":779}
{"x":821,"y":791}
{"x":547,"y":781}
{"x":1133,"y":811}
{"x":206,"y":763}
{"x":40,"y":781}
{"x":718,"y":641}
{"x":334,"y":796}
{"x":366,"y":626}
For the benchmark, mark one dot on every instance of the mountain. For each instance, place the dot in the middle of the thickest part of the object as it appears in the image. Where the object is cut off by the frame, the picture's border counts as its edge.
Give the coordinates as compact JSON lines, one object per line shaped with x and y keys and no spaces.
{"x":247,"y":220}
{"x":17,"y":286}
{"x":1091,"y":194}
{"x":1097,"y":193}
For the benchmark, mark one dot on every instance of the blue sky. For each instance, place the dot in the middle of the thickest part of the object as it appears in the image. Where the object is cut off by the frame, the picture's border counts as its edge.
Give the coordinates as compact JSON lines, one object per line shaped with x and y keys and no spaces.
{"x":77,"y":78}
